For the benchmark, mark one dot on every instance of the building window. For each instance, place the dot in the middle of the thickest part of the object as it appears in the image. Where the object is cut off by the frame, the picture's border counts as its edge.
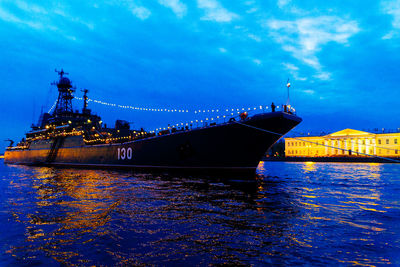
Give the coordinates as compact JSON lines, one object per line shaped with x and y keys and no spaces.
{"x":379,"y":141}
{"x":395,"y":152}
{"x":395,"y":141}
{"x":387,"y":141}
{"x":363,"y":142}
{"x":379,"y":151}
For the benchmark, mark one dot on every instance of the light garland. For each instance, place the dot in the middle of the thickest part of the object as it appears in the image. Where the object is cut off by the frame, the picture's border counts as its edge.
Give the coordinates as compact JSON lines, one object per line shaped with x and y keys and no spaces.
{"x":52,"y":107}
{"x":206,"y":120}
{"x":197,"y":111}
{"x":133,"y":107}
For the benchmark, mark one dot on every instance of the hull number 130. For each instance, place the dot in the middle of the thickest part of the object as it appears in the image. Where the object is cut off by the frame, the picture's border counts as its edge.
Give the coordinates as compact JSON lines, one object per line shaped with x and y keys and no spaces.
{"x":124,"y":153}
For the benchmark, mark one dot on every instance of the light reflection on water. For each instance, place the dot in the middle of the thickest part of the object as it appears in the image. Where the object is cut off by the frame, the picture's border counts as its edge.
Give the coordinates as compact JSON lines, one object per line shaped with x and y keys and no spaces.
{"x":294,"y":213}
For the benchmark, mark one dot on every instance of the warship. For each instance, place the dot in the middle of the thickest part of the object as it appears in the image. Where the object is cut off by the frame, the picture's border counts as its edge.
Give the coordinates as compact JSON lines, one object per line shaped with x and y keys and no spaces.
{"x":71,"y":138}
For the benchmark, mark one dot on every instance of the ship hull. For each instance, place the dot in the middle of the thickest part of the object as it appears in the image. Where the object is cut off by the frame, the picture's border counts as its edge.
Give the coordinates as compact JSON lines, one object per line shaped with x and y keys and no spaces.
{"x":229,"y":148}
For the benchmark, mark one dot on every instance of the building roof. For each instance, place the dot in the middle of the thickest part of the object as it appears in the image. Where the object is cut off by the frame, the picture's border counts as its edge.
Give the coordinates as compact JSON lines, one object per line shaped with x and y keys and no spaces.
{"x":348,"y":132}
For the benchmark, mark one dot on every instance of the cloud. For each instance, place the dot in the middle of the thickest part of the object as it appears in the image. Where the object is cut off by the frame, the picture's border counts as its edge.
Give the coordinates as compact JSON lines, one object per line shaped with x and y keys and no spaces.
{"x":40,"y":18}
{"x":283,"y":3}
{"x":214,"y":11}
{"x":309,"y":91}
{"x":222,"y":50}
{"x":290,"y":66}
{"x":254,"y":37}
{"x":177,"y":7}
{"x":257,"y":61}
{"x":294,"y":71}
{"x":252,"y":10}
{"x":392,"y":8}
{"x":304,"y":37}
{"x":7,"y":16}
{"x":31,"y":8}
{"x":141,"y":12}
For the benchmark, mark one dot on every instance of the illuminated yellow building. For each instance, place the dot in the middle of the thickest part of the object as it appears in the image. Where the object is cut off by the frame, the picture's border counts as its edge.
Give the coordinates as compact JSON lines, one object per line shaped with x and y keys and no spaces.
{"x":347,"y":142}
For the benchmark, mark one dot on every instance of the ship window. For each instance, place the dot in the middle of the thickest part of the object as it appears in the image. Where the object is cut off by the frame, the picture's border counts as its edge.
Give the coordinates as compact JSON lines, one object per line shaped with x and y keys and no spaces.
{"x":379,"y":141}
{"x":387,"y":141}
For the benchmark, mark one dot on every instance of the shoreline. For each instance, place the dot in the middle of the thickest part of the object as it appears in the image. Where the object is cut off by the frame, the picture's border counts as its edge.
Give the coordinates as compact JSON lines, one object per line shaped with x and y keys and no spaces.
{"x":334,"y":159}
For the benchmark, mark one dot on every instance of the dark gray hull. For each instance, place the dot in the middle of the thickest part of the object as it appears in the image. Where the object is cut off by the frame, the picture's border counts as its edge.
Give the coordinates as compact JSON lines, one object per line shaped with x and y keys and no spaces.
{"x":229,"y":148}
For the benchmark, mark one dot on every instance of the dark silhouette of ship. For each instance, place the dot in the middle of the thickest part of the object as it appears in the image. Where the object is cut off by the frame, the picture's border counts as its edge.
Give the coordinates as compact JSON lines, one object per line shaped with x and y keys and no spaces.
{"x":80,"y":139}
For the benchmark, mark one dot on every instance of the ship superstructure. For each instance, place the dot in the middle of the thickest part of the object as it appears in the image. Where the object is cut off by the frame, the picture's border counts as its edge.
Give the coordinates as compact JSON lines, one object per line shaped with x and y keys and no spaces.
{"x":64,"y":122}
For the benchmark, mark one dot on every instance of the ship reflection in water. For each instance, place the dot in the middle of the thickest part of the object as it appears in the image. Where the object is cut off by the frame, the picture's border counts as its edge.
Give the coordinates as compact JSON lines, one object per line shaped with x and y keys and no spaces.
{"x":294,"y":213}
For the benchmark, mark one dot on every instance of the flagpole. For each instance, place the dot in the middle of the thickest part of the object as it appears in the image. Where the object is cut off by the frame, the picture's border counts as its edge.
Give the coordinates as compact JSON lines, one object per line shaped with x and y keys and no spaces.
{"x":288,"y":96}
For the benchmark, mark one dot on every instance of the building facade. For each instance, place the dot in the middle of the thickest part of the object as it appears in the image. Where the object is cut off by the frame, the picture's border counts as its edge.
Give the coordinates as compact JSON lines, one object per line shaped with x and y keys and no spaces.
{"x":348,"y":142}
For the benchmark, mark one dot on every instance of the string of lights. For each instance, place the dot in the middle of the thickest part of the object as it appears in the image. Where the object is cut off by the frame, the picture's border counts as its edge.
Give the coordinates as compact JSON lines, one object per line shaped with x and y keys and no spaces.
{"x":134,"y":107}
{"x":196,"y":111}
{"x":52,"y":107}
{"x":205,"y":121}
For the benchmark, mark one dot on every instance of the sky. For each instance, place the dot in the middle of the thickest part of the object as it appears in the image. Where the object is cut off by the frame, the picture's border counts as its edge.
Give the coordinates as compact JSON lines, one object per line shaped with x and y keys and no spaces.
{"x":342,"y":59}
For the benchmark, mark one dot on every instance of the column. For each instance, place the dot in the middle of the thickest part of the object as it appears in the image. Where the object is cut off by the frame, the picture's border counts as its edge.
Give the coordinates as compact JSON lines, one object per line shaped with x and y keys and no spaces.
{"x":374,"y":144}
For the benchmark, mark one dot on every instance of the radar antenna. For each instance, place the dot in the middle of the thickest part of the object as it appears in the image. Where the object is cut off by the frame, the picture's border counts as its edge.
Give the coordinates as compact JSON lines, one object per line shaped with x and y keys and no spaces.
{"x":65,"y":90}
{"x":61,"y":73}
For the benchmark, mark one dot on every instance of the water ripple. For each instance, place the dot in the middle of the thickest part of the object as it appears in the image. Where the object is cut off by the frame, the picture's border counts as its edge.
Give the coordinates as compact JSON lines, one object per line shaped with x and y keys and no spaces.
{"x":293,"y":214}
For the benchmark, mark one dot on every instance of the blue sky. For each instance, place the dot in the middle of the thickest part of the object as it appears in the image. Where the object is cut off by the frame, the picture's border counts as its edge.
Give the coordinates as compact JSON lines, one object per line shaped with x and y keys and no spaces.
{"x":342,"y":58}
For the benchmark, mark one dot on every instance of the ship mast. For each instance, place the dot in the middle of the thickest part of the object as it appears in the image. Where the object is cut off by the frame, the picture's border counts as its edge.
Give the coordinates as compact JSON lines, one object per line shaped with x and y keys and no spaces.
{"x":85,"y":101}
{"x":65,"y":90}
{"x":288,"y":89}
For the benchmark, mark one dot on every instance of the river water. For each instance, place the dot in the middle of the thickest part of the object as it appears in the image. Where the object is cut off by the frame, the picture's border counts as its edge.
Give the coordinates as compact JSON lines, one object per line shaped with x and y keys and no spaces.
{"x":293,"y":214}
